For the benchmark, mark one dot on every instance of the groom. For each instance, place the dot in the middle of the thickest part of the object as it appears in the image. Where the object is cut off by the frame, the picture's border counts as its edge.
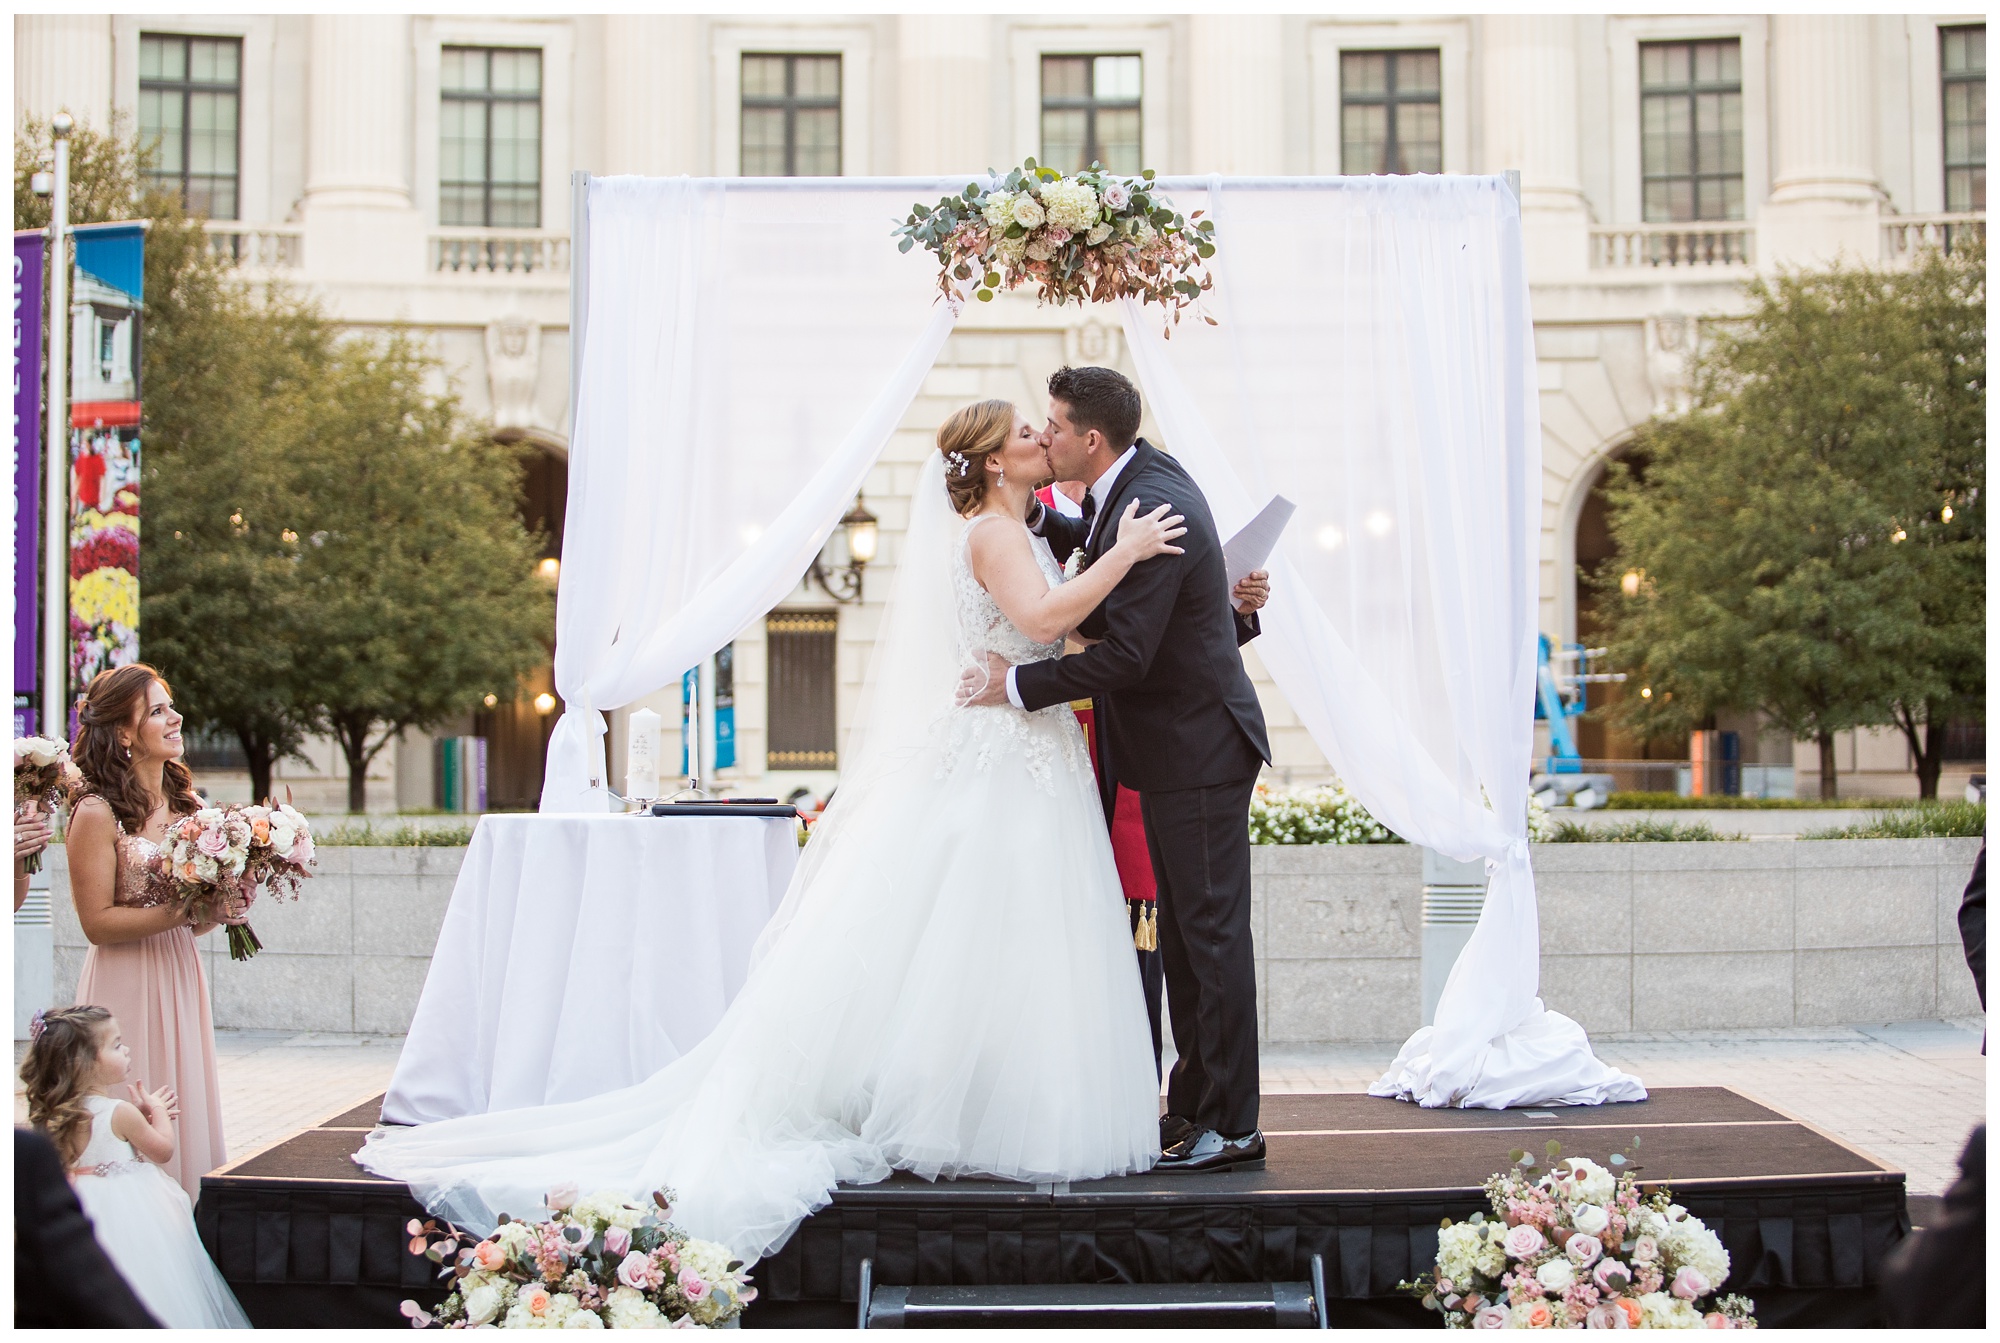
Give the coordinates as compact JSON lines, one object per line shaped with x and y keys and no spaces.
{"x":1180,"y":724}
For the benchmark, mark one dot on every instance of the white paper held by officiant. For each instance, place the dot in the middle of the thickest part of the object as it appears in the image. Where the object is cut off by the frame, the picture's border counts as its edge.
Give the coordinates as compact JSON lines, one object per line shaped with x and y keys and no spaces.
{"x":1247,"y":551}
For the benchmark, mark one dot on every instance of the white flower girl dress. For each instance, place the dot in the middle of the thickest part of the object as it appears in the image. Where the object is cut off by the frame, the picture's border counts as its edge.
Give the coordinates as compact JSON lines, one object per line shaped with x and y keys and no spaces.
{"x":145,"y":1223}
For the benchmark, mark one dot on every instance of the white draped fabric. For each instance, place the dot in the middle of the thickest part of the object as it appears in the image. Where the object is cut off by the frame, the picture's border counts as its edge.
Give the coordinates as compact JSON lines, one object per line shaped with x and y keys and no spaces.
{"x":751,"y":345}
{"x":1374,"y":363}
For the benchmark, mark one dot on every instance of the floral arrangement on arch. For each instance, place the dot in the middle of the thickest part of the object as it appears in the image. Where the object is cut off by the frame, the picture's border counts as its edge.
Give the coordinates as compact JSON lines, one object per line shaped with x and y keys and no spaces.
{"x":43,"y":775}
{"x":1580,"y":1248}
{"x":600,"y":1262}
{"x":220,"y":852}
{"x":1088,"y":236}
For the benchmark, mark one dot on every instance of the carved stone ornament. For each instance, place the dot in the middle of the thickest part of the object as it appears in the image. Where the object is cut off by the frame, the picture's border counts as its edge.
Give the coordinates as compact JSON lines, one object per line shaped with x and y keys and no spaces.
{"x":513,"y":367}
{"x":1671,"y":339}
{"x":1092,"y":342}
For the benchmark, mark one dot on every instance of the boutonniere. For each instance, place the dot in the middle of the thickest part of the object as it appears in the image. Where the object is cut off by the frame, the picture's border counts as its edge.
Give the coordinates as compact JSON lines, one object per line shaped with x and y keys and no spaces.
{"x":1078,"y":562}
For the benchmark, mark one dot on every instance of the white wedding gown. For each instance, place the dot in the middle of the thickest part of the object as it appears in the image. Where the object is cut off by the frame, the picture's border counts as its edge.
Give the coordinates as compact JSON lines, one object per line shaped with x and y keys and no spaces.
{"x":949,"y":988}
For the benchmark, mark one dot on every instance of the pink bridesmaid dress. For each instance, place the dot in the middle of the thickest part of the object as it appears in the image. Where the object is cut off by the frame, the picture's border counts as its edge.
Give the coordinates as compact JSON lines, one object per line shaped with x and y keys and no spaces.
{"x":156,"y":989}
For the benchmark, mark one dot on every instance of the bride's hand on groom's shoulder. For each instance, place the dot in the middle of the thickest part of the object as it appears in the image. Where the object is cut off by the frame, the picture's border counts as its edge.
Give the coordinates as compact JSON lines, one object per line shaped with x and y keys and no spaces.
{"x":1252,"y":591}
{"x":983,"y":687}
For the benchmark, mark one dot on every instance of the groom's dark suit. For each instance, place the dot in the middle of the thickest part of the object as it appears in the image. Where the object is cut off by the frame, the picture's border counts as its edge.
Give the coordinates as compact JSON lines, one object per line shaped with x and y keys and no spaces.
{"x":1179,"y":722}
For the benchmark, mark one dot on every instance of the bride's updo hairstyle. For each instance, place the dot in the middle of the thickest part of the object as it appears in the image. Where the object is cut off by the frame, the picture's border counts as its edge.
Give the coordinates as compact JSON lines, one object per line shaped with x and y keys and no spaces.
{"x":115,"y":699}
{"x":967,"y":439}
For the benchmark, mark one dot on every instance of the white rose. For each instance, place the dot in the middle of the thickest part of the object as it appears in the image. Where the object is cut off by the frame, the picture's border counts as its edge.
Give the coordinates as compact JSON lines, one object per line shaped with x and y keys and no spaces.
{"x":208,"y":816}
{"x":1028,"y":212}
{"x":1117,"y":196}
{"x":1590,"y":1219}
{"x":1097,"y":234}
{"x":482,"y":1303}
{"x":205,"y":868}
{"x":1556,"y":1275}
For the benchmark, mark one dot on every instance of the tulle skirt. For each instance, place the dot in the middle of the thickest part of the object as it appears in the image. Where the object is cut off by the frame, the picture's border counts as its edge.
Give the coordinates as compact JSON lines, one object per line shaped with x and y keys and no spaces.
{"x":146,"y":1226}
{"x":950,"y":990}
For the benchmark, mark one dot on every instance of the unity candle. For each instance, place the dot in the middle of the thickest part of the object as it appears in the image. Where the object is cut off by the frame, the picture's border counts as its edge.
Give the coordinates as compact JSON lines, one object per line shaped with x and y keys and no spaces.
{"x":642,"y":755}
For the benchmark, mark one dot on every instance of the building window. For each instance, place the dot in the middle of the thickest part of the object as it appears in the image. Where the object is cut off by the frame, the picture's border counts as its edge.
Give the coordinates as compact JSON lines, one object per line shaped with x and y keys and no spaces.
{"x":791,"y":116}
{"x":1090,"y":113}
{"x":190,"y":95}
{"x":1391,"y":120}
{"x":800,"y":645}
{"x":490,"y":128}
{"x":1691,"y":129}
{"x":1963,"y":53}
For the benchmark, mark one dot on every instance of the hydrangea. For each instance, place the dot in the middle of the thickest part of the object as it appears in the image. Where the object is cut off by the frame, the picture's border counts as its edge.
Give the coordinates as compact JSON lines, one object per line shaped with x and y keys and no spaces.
{"x":998,"y":210}
{"x":1692,"y":1245}
{"x":1589,"y":1182}
{"x":1070,"y":204}
{"x":1660,"y":1311}
{"x":1330,"y":815}
{"x":630,"y":1309}
{"x":1459,"y":1250}
{"x":1011,"y":252}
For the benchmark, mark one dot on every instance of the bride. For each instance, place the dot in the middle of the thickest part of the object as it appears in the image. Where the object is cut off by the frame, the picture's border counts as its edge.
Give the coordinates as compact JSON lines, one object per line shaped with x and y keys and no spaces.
{"x":949,"y":986}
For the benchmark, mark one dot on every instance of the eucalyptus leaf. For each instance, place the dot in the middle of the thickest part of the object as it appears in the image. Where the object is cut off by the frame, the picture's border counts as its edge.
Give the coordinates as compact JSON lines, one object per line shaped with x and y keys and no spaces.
{"x":906,"y":244}
{"x":986,"y":296}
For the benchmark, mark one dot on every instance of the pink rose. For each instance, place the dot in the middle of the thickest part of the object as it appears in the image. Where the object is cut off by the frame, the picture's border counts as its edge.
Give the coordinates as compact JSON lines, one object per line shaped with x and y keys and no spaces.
{"x":1611,"y":1276}
{"x":1490,"y":1317}
{"x":213,"y":843}
{"x":1524,"y":1242}
{"x":632,"y":1270}
{"x":1583,"y":1250}
{"x":617,"y":1240}
{"x":1715,"y":1319}
{"x":489,"y":1256}
{"x":561,"y":1198}
{"x":1645,"y":1249}
{"x":692,"y":1287}
{"x":1689,"y":1284}
{"x":1605,"y":1317}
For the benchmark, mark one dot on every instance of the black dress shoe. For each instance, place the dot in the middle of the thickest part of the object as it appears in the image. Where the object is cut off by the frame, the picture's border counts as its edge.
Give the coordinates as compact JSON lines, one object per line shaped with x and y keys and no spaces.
{"x":1173,"y":1128}
{"x":1206,"y":1150}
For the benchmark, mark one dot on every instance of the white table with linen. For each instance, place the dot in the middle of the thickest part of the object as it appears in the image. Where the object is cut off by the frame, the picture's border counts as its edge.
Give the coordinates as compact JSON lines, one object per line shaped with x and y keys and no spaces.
{"x":582,"y":953}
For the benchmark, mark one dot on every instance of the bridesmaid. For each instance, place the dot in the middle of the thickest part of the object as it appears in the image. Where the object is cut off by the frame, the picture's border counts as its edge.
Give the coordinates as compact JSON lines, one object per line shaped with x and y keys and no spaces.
{"x":142,"y":964}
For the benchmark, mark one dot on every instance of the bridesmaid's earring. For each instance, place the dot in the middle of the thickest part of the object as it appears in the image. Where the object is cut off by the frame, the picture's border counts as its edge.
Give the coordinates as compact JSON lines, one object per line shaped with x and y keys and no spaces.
{"x":1002,"y":480}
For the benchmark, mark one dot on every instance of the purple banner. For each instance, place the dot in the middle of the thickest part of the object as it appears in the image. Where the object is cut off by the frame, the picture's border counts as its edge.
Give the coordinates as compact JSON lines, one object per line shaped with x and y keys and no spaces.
{"x":28,"y":250}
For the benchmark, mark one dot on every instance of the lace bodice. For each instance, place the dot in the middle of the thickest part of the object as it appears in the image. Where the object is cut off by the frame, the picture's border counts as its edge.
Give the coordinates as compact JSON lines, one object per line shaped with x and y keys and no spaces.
{"x":106,"y":1153}
{"x":981,"y":623}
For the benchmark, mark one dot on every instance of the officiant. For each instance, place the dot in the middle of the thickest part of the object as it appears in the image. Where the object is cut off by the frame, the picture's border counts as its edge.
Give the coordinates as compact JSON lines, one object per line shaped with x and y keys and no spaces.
{"x":1121,"y":804}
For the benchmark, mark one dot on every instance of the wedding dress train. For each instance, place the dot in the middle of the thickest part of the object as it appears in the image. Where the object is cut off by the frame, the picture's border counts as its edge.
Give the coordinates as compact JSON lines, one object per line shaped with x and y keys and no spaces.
{"x":949,"y":988}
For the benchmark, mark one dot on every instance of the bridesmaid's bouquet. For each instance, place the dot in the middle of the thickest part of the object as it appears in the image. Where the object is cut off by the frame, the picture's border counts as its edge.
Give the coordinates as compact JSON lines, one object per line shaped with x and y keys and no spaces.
{"x":221,"y":854}
{"x":602,"y":1262}
{"x":43,"y":775}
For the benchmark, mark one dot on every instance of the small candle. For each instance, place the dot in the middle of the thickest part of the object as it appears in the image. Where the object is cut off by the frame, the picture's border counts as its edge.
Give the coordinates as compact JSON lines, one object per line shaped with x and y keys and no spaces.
{"x":642,"y":755}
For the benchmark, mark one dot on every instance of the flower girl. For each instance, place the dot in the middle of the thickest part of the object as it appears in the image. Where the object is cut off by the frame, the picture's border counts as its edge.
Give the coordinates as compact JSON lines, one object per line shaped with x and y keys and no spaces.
{"x":113,"y":1149}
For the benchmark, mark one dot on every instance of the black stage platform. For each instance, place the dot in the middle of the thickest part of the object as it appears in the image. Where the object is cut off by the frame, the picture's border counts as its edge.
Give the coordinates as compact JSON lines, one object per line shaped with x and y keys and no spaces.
{"x":306,"y":1237}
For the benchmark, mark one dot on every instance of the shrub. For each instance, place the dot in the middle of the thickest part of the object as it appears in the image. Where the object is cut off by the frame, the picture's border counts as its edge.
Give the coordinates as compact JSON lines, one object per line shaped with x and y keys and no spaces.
{"x":1675,"y":802}
{"x":365,"y":835}
{"x":1636,"y":832}
{"x":1933,"y":820}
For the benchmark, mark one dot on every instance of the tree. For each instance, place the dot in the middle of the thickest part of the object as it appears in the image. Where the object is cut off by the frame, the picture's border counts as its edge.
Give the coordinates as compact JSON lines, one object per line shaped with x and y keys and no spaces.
{"x":216,"y":611}
{"x":417,"y":573}
{"x":1789,"y":533}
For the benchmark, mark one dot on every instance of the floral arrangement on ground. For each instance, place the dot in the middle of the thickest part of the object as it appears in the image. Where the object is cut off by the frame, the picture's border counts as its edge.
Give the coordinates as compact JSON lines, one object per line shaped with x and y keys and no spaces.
{"x":601,"y":1262}
{"x":1580,"y":1248}
{"x":1088,"y":236}
{"x":1332,"y":815}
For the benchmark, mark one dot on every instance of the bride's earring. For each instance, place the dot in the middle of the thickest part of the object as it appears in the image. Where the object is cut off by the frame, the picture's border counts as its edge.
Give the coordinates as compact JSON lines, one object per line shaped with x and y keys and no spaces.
{"x":1001,"y":479}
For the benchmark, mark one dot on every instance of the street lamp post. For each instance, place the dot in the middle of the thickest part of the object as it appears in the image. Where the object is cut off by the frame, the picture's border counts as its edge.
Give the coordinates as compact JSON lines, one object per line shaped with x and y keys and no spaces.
{"x":55,"y":526}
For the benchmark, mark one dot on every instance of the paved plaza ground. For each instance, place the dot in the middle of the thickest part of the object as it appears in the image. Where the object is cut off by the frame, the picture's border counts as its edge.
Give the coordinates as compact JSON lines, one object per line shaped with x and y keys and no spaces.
{"x":1907,"y":1093}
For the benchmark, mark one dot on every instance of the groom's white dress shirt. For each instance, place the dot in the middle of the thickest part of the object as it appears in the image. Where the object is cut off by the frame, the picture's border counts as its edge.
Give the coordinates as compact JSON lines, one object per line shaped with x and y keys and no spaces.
{"x":1100,"y":490}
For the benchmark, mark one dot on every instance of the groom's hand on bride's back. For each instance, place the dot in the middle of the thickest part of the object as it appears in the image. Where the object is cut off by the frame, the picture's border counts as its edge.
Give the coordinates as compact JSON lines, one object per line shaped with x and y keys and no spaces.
{"x":983,"y":686}
{"x":1252,"y":591}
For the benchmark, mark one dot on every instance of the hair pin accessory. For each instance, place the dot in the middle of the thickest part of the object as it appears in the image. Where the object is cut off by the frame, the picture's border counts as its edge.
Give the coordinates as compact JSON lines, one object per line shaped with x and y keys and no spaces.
{"x":35,"y":1026}
{"x":959,"y":465}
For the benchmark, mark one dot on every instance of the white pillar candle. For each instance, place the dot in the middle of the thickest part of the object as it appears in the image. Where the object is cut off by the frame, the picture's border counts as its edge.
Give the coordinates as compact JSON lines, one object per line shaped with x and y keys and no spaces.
{"x":642,"y":754}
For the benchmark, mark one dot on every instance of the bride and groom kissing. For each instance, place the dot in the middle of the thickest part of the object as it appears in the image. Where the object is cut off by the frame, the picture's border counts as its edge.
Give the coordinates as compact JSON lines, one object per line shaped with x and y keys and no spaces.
{"x":950,"y":987}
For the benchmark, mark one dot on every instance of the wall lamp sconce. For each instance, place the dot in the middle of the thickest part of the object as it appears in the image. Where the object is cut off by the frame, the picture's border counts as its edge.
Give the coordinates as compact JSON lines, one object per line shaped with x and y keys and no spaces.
{"x":844,"y":585}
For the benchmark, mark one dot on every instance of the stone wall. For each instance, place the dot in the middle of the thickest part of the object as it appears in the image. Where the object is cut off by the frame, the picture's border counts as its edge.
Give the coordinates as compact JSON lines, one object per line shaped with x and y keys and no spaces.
{"x":1635,"y":937}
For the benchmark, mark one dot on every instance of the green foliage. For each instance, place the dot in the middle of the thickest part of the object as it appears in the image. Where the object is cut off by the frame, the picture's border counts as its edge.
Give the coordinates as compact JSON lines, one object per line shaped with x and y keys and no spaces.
{"x":365,"y":835}
{"x":1675,"y":802}
{"x":1642,"y":831}
{"x":106,"y":170}
{"x":1790,"y":529}
{"x":1933,"y":820}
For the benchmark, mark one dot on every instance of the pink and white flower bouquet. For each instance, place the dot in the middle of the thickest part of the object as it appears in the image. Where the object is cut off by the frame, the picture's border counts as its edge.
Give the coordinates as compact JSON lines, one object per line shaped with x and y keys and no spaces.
{"x":222,"y":854}
{"x":1580,"y":1248}
{"x":1088,"y":236}
{"x":600,"y":1262}
{"x":43,"y":775}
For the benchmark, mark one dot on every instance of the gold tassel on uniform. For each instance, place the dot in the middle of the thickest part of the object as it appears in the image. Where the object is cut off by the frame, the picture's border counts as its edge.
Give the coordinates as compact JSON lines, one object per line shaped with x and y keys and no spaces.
{"x":1146,"y":934}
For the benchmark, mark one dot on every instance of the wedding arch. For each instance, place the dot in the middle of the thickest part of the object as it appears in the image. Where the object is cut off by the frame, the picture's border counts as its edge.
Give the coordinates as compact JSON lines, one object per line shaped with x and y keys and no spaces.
{"x":743,"y":348}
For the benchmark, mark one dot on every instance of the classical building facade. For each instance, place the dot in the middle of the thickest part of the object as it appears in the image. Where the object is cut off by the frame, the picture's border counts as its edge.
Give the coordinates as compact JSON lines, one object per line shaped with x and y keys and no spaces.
{"x":414,"y":173}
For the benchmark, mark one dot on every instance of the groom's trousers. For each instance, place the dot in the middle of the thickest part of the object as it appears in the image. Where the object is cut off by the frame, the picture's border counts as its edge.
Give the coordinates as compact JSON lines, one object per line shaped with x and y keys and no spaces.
{"x":1200,"y":842}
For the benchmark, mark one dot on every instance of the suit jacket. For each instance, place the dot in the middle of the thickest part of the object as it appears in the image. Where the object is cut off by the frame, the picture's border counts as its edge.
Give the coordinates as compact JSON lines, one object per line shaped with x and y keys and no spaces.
{"x":62,"y":1277}
{"x":1972,"y":925}
{"x":1175,"y":707}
